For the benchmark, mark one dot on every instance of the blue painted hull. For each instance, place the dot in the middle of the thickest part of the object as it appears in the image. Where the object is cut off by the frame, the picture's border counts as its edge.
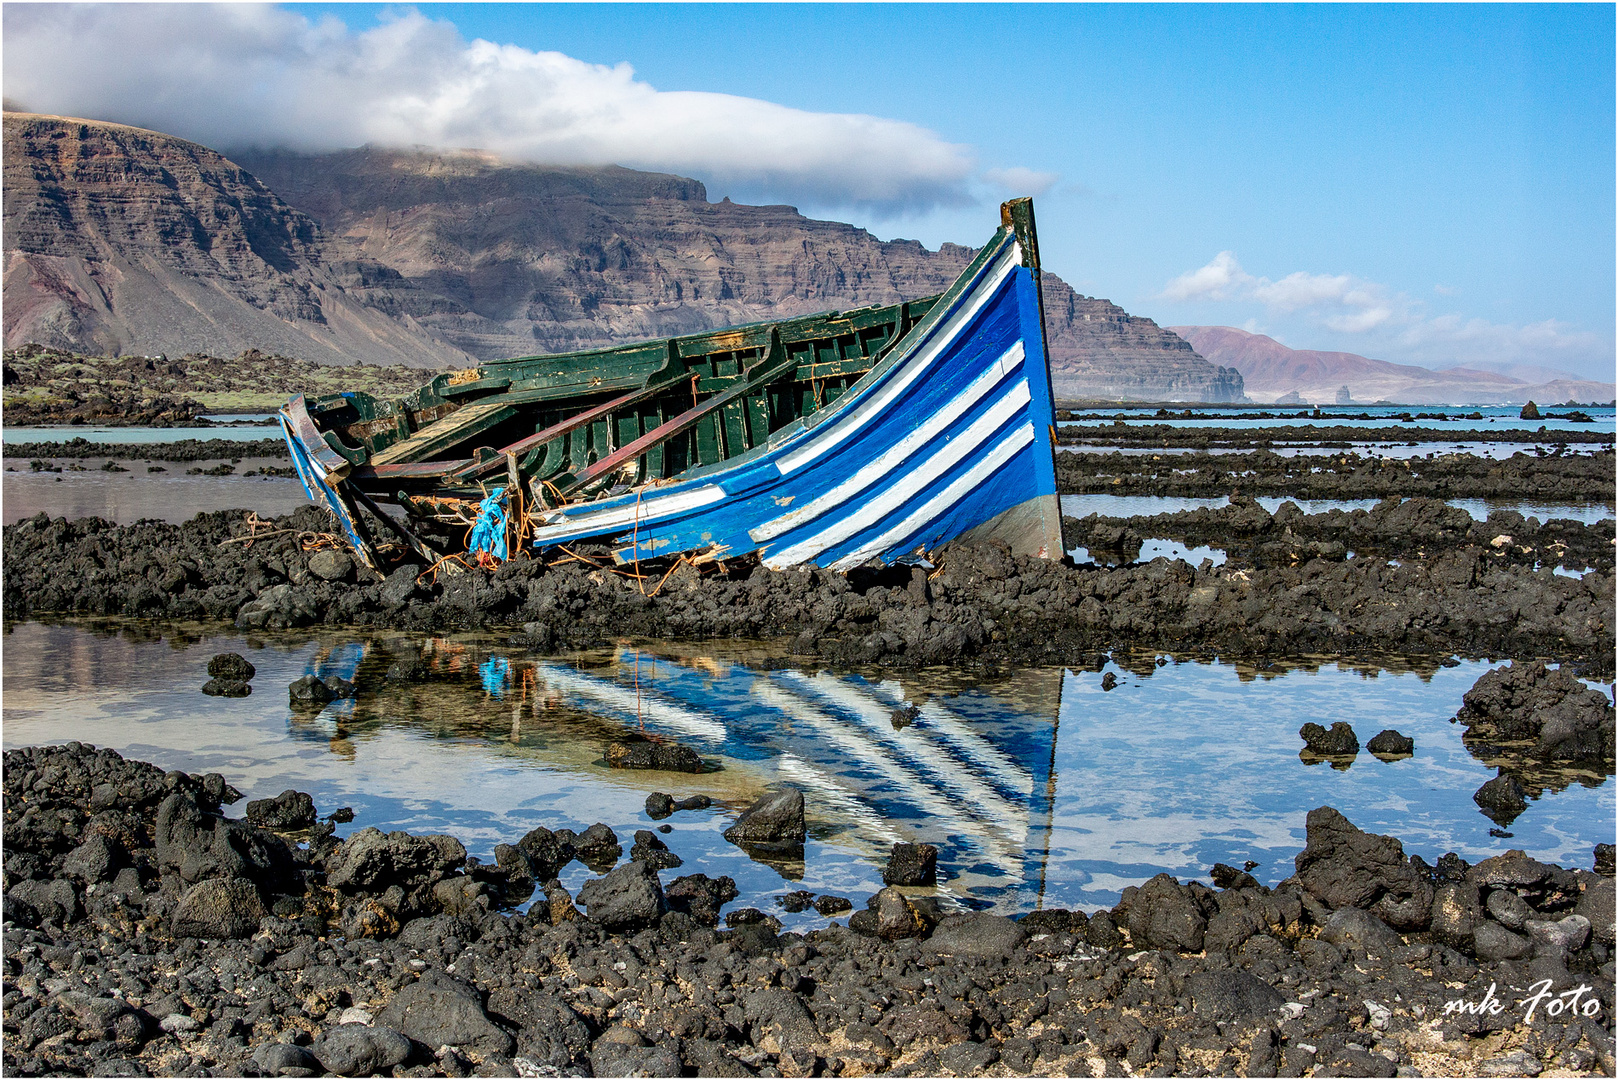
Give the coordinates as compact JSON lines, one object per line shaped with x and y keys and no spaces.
{"x":949,"y":435}
{"x":952,"y":433}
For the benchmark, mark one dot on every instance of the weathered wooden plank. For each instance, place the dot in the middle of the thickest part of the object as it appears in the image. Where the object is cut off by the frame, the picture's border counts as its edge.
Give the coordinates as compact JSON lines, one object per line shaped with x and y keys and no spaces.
{"x":440,"y":435}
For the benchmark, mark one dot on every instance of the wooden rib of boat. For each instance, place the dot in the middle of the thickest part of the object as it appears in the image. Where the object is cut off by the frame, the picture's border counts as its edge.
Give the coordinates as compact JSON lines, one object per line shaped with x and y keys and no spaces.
{"x":870,"y":436}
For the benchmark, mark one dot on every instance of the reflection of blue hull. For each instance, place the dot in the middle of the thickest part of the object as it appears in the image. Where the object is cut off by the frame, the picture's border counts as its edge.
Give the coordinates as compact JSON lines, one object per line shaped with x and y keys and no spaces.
{"x":972,"y":776}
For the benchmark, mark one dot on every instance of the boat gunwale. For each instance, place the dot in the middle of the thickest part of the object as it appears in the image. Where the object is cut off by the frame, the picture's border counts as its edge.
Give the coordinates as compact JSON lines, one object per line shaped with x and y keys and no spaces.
{"x":946,"y":305}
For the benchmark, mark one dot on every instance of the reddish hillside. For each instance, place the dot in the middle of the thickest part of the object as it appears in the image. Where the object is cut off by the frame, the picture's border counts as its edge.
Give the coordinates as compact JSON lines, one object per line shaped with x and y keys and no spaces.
{"x":1271,"y":370}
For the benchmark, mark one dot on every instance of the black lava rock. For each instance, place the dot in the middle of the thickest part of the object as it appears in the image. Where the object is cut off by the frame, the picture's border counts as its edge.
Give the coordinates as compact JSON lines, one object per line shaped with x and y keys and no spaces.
{"x":1502,"y":798}
{"x":231,"y":666}
{"x":1390,"y":743}
{"x":829,"y":905}
{"x":912,"y":864}
{"x":226,"y":688}
{"x":667,"y":757}
{"x":310,"y":693}
{"x":776,"y":818}
{"x":289,"y":810}
{"x":626,"y":899}
{"x":653,"y":852}
{"x":1340,"y":741}
{"x":700,"y":896}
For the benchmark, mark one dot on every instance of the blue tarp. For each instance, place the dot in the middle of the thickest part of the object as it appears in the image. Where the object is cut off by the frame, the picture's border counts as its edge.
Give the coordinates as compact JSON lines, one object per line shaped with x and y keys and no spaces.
{"x":489,"y":533}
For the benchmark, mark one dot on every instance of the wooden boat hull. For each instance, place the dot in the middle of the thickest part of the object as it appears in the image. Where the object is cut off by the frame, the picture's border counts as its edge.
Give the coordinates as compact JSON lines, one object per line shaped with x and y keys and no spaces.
{"x":949,"y":433}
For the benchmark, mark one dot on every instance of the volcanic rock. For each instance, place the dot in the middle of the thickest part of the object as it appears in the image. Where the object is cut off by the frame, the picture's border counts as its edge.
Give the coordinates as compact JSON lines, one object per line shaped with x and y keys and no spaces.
{"x":290,"y":810}
{"x":700,"y":896}
{"x":626,"y":899}
{"x":643,"y":754}
{"x":440,"y":1011}
{"x":231,"y":666}
{"x":776,"y":818}
{"x":1340,"y":741}
{"x":219,"y":908}
{"x":912,"y":864}
{"x":1390,"y":743}
{"x":360,"y":1050}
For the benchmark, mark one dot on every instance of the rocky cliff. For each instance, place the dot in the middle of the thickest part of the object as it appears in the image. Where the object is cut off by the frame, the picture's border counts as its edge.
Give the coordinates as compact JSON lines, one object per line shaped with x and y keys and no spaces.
{"x":123,"y":241}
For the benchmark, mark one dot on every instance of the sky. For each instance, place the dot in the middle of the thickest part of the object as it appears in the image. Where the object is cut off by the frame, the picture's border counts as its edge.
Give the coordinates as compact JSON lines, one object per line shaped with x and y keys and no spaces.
{"x":1427,"y":184}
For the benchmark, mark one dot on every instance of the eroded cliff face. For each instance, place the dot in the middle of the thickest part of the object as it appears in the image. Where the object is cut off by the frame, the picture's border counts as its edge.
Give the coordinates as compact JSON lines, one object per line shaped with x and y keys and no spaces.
{"x":1099,"y":350}
{"x":120,"y":240}
{"x":509,"y":259}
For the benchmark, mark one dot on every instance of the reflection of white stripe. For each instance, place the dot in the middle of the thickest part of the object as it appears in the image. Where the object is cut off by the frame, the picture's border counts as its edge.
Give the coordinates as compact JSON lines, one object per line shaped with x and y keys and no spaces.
{"x":911,"y":788}
{"x":938,"y":504}
{"x":896,"y":495}
{"x":971,"y":743}
{"x":561,"y":523}
{"x":653,"y":706}
{"x":825,"y":440}
{"x":844,"y":803}
{"x":983,"y":800}
{"x":895,"y":455}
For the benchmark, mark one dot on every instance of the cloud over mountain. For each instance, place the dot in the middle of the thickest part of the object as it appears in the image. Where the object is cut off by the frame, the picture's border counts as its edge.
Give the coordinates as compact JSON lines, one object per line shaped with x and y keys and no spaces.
{"x":236,"y":75}
{"x":1377,"y":316}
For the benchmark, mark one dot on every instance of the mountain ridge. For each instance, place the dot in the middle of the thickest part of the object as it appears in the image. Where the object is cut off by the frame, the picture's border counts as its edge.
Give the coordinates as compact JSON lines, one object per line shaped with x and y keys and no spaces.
{"x":124,"y":241}
{"x":1271,"y":371}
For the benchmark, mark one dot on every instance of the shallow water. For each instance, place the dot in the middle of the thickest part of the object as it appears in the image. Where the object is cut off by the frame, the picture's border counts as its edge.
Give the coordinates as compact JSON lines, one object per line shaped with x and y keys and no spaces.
{"x":130,"y":496}
{"x":1039,"y":787}
{"x":1494,"y":419}
{"x":243,"y":428}
{"x":1147,"y":505}
{"x":1398,"y":451}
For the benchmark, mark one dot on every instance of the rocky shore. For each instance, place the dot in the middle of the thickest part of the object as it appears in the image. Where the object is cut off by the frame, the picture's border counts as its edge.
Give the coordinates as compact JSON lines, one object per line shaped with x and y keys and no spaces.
{"x":1550,"y":478}
{"x":77,"y":449}
{"x":1392,"y":529}
{"x":979,"y":604}
{"x":148,"y":933}
{"x":1121,"y":433}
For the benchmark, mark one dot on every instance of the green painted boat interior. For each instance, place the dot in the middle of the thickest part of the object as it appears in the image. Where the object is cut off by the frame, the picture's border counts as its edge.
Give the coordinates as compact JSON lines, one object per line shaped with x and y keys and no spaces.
{"x":579,"y":425}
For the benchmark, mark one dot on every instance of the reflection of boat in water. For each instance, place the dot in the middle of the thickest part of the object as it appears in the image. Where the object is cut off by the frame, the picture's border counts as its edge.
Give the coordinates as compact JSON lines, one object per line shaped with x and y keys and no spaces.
{"x":968,"y":769}
{"x":971,"y":774}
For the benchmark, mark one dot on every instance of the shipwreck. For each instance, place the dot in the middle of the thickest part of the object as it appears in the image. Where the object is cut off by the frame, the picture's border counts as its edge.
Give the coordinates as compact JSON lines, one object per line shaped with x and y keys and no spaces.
{"x":835,"y":440}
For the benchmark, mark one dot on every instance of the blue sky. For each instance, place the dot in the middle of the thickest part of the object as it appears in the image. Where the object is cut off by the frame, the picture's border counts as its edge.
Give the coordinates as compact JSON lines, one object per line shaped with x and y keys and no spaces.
{"x":1426,"y":184}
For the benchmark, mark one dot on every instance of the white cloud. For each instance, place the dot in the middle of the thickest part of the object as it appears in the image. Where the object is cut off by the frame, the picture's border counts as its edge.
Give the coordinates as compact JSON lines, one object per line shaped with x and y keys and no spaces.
{"x":1222,"y":279}
{"x":1021,"y":181}
{"x":1377,"y":320}
{"x":233,"y":75}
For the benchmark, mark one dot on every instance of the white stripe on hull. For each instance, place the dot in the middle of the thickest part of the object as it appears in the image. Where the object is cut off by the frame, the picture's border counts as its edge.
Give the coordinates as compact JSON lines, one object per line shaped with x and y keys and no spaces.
{"x":824,"y":441}
{"x":1009,"y":448}
{"x":896,"y":454}
{"x":894,"y":497}
{"x":562,"y":523}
